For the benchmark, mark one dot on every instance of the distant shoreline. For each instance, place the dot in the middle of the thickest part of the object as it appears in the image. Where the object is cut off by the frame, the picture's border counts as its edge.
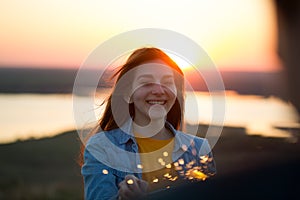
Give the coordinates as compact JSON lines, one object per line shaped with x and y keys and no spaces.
{"x":60,"y":81}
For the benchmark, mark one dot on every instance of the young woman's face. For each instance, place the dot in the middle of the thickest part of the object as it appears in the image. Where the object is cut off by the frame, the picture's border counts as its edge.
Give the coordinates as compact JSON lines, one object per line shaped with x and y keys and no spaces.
{"x":153,"y":92}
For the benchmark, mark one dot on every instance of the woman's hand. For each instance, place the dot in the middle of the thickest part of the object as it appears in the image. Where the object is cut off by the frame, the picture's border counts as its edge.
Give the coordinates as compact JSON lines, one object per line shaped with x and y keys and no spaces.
{"x":132,"y":188}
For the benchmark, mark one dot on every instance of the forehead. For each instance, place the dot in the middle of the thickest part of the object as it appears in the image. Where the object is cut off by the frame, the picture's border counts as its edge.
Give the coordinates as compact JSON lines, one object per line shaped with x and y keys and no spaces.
{"x":157,"y":70}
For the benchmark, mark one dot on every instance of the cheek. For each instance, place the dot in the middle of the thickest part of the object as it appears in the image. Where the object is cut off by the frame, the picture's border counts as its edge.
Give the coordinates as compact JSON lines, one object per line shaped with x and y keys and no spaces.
{"x":172,"y":93}
{"x":138,"y":95}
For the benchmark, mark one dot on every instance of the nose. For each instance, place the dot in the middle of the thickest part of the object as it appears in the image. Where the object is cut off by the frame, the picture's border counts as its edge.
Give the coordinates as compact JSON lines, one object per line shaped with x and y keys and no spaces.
{"x":157,"y":89}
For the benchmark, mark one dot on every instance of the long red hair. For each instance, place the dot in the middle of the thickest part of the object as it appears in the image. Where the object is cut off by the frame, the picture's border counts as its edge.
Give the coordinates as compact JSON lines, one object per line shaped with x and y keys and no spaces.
{"x":139,"y":57}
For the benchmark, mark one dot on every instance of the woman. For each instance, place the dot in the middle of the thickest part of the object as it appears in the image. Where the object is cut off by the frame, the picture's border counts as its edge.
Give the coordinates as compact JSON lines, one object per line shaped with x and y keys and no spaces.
{"x":138,"y":147}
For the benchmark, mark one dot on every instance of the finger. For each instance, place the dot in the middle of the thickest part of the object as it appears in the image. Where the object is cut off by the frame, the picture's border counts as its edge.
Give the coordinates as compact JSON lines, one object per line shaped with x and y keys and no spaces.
{"x":122,"y":184}
{"x":128,"y":188}
{"x":132,"y":187}
{"x":124,"y":191}
{"x":132,"y":182}
{"x":143,"y":185}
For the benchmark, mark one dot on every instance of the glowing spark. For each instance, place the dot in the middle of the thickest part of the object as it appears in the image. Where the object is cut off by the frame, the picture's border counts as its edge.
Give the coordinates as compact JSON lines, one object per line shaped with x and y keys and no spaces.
{"x":165,"y":154}
{"x":140,"y":166}
{"x":198,"y":175}
{"x":181,"y":161}
{"x":167,"y":175}
{"x":176,"y":164}
{"x":129,"y":181}
{"x":190,"y":164}
{"x":104,"y":171}
{"x":173,"y":179}
{"x":163,"y":163}
{"x":155,"y":180}
{"x":197,"y":167}
{"x":204,"y":159}
{"x":160,"y":160}
{"x":168,"y":166}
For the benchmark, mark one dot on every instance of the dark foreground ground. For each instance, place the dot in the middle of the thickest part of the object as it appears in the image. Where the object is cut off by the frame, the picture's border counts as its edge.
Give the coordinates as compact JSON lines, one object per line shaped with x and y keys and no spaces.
{"x":249,"y":167}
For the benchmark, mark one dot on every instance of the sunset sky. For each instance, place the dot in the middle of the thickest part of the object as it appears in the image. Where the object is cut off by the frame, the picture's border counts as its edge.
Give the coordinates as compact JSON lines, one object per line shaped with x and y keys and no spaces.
{"x":237,"y":35}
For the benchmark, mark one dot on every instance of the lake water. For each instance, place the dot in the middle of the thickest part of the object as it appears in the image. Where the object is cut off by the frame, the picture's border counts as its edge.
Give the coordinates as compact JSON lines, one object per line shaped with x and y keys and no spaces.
{"x":26,"y":116}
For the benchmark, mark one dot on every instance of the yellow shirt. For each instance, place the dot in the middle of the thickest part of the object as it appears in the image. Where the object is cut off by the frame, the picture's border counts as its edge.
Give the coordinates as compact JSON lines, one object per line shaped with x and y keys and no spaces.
{"x":156,"y":160}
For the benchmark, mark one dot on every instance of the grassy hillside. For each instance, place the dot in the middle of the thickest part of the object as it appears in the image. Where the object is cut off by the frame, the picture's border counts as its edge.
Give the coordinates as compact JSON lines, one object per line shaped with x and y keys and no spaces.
{"x":41,"y":169}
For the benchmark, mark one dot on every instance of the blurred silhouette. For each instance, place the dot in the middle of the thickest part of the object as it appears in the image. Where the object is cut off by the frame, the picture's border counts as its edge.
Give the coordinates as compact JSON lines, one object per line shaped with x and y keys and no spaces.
{"x":288,"y":20}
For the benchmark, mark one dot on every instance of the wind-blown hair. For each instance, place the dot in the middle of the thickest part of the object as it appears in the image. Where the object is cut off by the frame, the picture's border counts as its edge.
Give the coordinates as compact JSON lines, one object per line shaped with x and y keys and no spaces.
{"x":138,"y":57}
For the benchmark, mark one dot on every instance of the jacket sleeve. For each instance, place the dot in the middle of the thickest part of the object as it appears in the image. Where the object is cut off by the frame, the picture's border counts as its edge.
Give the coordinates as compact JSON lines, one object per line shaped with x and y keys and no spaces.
{"x":99,"y":181}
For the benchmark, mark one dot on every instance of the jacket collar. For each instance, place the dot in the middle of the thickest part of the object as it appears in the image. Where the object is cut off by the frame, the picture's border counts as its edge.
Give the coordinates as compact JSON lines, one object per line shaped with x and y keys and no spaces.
{"x":126,"y":132}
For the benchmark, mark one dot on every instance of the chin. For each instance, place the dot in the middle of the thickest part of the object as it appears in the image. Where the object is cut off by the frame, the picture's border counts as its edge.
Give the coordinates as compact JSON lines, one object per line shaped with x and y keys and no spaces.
{"x":157,"y":112}
{"x":157,"y":115}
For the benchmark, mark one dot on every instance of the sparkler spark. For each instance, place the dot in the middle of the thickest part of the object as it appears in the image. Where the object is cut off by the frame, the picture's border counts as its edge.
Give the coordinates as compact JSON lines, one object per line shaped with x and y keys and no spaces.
{"x":165,"y":154}
{"x":198,"y":175}
{"x":174,"y":179}
{"x":181,"y":161}
{"x":155,"y":180}
{"x":140,"y":166}
{"x":204,"y":159}
{"x":129,"y":181}
{"x":168,"y":166}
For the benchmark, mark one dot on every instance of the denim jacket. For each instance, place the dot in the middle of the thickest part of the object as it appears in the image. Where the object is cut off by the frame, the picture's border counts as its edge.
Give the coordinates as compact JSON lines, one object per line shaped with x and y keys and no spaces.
{"x":111,"y":155}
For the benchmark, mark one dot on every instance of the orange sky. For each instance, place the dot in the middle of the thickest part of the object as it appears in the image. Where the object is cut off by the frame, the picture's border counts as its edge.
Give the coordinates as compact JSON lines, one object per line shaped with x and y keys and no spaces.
{"x":238,"y":35}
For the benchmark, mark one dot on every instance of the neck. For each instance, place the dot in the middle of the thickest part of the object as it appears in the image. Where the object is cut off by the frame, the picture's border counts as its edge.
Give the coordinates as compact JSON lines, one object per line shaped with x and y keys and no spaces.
{"x":155,"y":129}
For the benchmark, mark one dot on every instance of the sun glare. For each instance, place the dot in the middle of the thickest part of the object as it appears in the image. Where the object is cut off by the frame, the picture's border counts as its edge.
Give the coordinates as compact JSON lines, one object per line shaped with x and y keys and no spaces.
{"x":182,"y":63}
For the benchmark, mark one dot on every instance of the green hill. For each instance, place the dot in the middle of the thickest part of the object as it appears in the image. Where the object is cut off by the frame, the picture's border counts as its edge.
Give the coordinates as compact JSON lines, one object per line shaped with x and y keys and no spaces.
{"x":41,"y":169}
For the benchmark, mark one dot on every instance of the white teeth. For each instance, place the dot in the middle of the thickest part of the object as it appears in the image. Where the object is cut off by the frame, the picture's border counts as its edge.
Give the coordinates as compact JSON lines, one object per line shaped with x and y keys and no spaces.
{"x":156,"y":102}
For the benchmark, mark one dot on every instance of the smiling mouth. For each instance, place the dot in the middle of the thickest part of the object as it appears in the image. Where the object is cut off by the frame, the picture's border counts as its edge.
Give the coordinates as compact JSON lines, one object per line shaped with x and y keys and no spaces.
{"x":156,"y":102}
